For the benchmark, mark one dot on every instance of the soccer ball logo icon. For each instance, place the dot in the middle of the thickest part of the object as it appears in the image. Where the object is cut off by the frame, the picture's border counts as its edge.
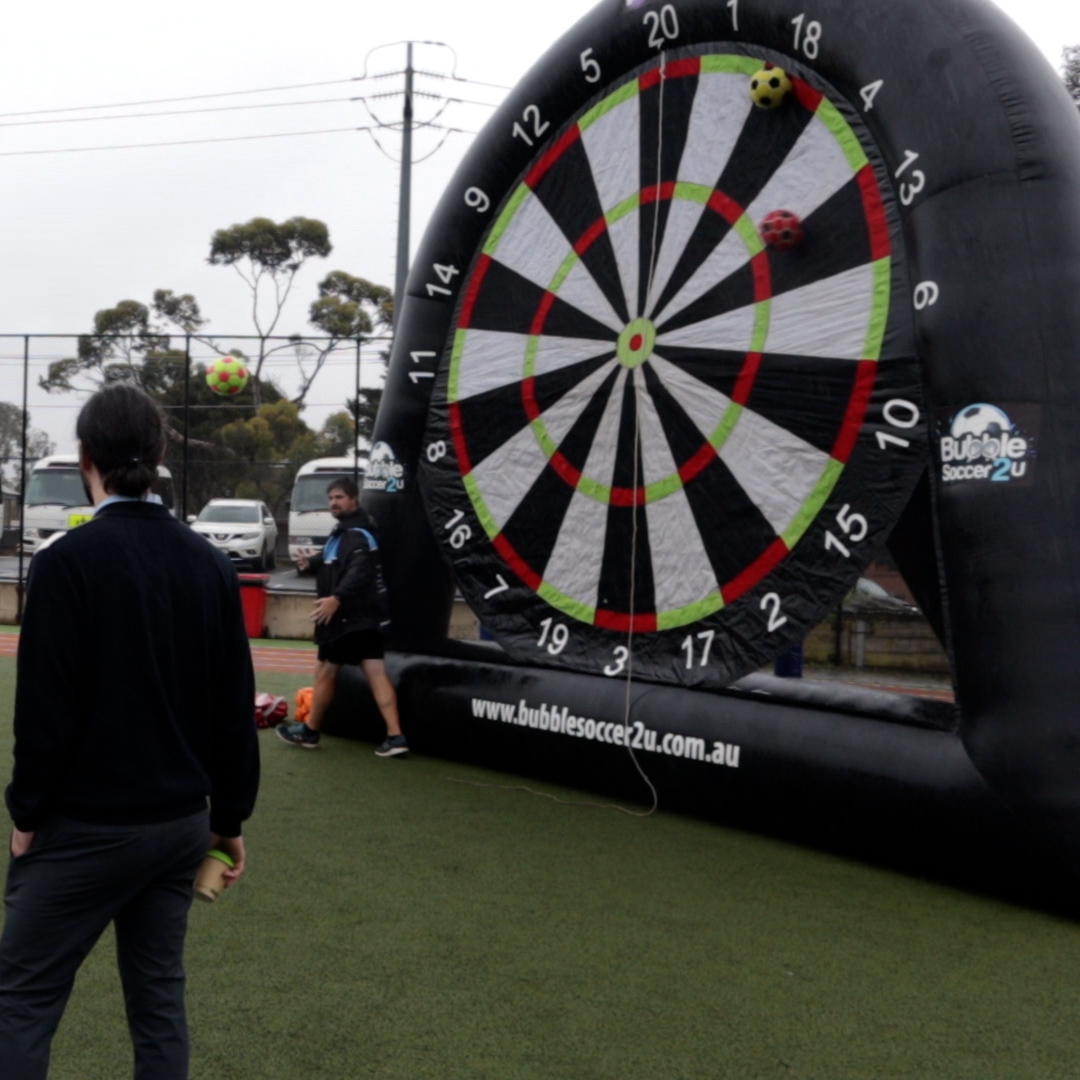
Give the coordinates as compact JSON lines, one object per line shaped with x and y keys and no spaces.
{"x":985,"y":425}
{"x":981,"y":420}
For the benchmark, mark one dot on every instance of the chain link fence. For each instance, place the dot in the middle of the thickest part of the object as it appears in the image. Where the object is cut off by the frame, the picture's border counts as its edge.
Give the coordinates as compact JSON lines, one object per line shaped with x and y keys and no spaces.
{"x":306,"y":398}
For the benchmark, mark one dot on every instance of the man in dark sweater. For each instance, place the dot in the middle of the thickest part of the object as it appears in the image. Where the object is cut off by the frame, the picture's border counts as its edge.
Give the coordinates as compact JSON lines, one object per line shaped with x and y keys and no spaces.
{"x":133,"y":707}
{"x":348,"y":618}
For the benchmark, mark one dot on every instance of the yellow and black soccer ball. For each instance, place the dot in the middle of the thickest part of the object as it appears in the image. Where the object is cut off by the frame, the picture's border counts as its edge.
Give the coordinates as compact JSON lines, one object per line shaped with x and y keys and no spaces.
{"x":769,"y":87}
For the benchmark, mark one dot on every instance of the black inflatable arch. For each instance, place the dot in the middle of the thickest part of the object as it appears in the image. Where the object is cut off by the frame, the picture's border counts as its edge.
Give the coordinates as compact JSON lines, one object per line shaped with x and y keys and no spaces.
{"x":974,"y":150}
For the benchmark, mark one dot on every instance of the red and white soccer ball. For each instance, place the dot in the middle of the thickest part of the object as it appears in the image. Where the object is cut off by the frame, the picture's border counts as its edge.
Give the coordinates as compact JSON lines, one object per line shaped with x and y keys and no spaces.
{"x":270,"y":710}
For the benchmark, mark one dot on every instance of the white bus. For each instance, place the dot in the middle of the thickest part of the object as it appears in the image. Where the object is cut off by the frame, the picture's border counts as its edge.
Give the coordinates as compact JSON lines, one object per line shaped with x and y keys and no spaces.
{"x":310,"y":522}
{"x":56,"y":499}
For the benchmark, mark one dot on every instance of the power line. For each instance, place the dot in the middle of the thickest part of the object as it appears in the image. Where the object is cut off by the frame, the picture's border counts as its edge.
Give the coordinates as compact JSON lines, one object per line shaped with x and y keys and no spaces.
{"x":202,"y":97}
{"x":180,"y":142}
{"x":234,"y":138}
{"x":241,"y":108}
{"x":461,"y":78}
{"x":180,"y":112}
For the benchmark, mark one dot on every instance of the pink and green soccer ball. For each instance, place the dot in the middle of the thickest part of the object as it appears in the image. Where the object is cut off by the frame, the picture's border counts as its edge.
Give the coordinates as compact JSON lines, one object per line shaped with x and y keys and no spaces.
{"x":227,"y":375}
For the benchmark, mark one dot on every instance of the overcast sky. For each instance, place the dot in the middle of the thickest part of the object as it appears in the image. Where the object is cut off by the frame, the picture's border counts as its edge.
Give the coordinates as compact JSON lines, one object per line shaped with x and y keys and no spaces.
{"x":82,"y":231}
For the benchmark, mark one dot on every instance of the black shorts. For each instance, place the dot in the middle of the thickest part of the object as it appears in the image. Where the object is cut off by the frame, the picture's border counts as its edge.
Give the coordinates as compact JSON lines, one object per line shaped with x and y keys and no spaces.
{"x":353,"y":648}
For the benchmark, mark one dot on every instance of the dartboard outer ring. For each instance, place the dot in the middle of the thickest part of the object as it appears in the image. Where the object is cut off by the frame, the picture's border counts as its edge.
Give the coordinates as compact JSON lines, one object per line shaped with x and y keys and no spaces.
{"x":764,"y":605}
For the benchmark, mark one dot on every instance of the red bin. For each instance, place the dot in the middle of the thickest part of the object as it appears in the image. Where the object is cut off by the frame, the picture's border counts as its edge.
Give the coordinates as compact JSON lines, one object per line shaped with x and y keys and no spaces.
{"x":253,"y":599}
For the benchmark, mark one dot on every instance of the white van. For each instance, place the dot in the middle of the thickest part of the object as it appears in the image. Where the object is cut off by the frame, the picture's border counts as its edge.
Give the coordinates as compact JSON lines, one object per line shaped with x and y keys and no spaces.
{"x":310,"y":522}
{"x":56,"y":499}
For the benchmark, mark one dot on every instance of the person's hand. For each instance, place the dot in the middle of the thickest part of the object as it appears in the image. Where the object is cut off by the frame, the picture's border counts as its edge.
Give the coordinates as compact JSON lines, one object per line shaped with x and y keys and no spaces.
{"x":324,"y":610}
{"x":303,"y":563}
{"x":21,"y":842}
{"x":233,"y":846}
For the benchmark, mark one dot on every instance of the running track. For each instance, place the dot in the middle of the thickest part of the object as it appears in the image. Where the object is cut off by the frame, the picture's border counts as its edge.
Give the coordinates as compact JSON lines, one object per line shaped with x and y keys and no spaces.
{"x":281,"y":660}
{"x":277,"y":660}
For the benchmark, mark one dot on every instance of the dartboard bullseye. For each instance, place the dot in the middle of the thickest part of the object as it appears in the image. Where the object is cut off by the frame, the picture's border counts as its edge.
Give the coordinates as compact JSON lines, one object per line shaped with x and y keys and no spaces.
{"x":656,"y":425}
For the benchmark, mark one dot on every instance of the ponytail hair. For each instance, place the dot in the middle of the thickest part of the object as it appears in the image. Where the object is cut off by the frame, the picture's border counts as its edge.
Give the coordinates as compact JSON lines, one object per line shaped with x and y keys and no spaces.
{"x":122,"y":432}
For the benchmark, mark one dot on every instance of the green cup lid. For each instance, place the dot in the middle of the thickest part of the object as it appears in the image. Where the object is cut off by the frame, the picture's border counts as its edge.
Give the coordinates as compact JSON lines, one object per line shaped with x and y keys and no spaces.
{"x":213,"y":853}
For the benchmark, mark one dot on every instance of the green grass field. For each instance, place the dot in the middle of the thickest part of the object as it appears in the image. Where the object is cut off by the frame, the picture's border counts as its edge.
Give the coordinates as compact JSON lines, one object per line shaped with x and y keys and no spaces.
{"x":396,"y":925}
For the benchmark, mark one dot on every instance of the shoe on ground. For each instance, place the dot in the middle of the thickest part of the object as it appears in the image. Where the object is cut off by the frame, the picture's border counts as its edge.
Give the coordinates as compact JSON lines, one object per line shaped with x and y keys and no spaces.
{"x":298,"y":735}
{"x":392,"y":746}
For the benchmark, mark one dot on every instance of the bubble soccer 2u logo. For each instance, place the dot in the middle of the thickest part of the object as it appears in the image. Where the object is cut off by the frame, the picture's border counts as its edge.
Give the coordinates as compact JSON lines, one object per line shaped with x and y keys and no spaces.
{"x":989,"y":444}
{"x":385,"y":472}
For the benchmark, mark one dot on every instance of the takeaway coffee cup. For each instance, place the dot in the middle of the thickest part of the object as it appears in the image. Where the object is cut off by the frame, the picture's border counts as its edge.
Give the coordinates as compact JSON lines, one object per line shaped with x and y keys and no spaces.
{"x":210,"y":880}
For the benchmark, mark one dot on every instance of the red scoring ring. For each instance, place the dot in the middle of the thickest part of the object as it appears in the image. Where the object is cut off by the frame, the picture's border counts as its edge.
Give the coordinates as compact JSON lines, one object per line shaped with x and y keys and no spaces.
{"x":731,"y":211}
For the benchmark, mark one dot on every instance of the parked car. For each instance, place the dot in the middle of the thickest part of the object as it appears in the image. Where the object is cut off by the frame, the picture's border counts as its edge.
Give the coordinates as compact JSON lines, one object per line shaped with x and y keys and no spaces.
{"x":57,"y":501}
{"x":242,"y":528}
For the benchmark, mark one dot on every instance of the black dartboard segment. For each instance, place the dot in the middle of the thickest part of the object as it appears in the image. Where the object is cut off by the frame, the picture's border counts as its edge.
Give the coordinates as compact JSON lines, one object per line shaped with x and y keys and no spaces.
{"x":648,"y":423}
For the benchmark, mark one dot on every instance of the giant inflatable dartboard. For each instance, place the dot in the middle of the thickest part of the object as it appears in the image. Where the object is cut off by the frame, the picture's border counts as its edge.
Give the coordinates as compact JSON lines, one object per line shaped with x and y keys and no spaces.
{"x":645,"y":440}
{"x":648,"y":421}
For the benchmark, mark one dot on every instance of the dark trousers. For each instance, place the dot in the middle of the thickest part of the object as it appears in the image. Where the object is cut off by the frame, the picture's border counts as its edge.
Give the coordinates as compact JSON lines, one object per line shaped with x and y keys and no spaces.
{"x":61,"y":895}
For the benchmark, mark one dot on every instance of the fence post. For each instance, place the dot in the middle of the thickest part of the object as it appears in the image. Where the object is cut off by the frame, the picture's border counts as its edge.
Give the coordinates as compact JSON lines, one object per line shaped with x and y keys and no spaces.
{"x":187,"y":423}
{"x":356,"y":421}
{"x":20,"y":591}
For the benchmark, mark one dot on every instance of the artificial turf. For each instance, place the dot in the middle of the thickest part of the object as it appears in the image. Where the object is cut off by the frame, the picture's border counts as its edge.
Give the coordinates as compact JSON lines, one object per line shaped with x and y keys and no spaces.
{"x":394,"y":924}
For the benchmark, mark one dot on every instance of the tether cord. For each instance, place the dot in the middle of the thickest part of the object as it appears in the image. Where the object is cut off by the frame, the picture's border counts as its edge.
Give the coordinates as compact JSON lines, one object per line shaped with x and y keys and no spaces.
{"x":637,"y":457}
{"x":633,"y":532}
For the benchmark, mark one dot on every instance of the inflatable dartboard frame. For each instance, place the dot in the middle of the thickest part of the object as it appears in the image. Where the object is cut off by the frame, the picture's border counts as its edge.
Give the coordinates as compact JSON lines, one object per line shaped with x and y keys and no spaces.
{"x":979,"y":150}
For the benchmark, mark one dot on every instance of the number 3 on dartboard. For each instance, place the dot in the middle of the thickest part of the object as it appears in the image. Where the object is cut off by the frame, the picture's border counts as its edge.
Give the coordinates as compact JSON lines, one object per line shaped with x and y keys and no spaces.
{"x":665,"y":25}
{"x":618,"y":665}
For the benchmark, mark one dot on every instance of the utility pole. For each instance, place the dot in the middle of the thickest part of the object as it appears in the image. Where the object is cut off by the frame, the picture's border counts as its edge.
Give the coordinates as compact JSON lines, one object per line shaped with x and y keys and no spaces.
{"x":405,"y":199}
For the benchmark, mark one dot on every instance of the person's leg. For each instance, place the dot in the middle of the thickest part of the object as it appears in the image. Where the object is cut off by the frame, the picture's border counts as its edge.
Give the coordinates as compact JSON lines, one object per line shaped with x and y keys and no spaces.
{"x":60,"y":897}
{"x":382,"y":690}
{"x":150,"y":931}
{"x":323,"y":694}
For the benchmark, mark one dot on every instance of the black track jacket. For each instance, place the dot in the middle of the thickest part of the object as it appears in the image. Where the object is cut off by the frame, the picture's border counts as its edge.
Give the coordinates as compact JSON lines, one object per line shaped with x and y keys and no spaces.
{"x":135,"y":687}
{"x":354,"y":577}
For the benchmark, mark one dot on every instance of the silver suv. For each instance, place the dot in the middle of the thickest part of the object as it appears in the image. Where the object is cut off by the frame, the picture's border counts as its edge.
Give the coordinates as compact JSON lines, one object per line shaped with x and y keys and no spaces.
{"x":243,"y":528}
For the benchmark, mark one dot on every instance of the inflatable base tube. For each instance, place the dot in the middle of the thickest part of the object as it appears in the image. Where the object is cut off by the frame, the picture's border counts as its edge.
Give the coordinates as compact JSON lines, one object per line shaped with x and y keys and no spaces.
{"x":765,"y":756}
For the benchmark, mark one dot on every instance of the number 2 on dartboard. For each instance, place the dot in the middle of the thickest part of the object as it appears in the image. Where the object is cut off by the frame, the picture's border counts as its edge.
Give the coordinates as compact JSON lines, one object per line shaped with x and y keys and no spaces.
{"x":770,"y":602}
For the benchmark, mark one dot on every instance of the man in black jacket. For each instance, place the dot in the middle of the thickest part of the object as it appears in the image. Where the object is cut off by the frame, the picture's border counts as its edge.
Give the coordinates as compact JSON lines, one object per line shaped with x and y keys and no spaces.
{"x":133,"y":707}
{"x":348,"y":618}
